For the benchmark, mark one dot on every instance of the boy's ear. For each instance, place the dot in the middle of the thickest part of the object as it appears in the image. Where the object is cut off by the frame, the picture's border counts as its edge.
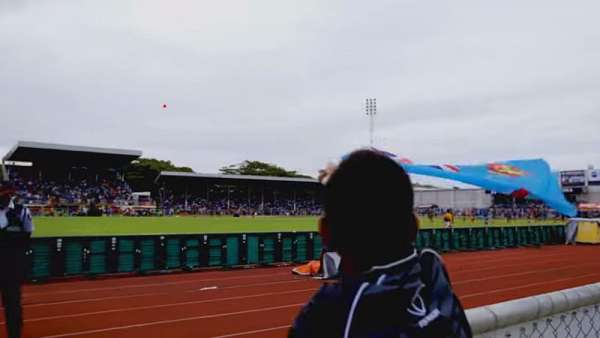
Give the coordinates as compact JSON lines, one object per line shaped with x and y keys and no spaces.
{"x":324,"y":231}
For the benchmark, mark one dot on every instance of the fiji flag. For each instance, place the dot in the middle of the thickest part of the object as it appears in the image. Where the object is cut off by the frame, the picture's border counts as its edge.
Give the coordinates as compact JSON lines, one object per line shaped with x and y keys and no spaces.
{"x":447,"y":167}
{"x":519,"y":178}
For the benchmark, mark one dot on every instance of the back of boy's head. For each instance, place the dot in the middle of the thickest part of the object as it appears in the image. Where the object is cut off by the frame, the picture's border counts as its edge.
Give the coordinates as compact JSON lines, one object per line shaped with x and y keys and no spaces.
{"x":369,"y":207}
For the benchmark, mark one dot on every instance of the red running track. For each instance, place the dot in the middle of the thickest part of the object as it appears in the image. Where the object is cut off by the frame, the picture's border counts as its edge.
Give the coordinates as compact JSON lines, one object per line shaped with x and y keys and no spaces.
{"x":262,"y":302}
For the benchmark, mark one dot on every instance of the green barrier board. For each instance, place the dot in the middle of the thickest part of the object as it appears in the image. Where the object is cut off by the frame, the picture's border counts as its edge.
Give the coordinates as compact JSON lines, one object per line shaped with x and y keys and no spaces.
{"x":495,"y":238}
{"x":509,"y":237}
{"x":252,"y":249}
{"x":73,"y":258}
{"x":317,"y":246}
{"x":268,"y":250}
{"x":425,"y":238}
{"x":460,"y":239}
{"x":126,"y":258}
{"x":444,"y":241}
{"x":97,"y":256}
{"x":192,"y":253}
{"x":173,"y":252}
{"x":233,"y":251}
{"x":41,"y":260}
{"x":301,"y":248}
{"x":477,"y":239}
{"x":286,"y":249}
{"x":147,"y":254}
{"x":535,"y":235}
{"x":215,"y":249}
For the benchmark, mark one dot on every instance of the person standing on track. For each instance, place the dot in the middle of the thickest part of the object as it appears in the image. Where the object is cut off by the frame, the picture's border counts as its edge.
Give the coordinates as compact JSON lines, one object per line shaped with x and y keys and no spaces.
{"x":387,"y":288}
{"x":15,"y":231}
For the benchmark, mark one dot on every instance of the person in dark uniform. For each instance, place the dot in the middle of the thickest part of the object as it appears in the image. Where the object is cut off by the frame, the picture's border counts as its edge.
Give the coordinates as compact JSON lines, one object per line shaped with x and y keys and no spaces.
{"x":15,"y":232}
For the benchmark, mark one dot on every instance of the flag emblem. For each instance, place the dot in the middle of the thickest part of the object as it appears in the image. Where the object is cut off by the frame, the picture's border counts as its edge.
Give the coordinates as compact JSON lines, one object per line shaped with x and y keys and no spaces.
{"x":447,"y":167}
{"x":505,"y":169}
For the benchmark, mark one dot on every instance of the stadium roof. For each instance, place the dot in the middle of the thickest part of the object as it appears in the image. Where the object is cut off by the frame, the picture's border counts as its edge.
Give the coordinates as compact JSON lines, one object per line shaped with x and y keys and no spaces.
{"x":221,"y":177}
{"x":58,"y":155}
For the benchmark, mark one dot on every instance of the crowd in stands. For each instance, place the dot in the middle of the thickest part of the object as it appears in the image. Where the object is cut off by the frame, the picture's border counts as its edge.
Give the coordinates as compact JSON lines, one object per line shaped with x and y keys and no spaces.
{"x":113,"y":196}
{"x":44,"y":192}
{"x":71,"y":197}
{"x":239,"y":207}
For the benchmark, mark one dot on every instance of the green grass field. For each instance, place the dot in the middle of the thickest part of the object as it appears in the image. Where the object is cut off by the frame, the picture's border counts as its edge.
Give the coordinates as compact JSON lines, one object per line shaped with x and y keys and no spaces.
{"x":97,"y":226}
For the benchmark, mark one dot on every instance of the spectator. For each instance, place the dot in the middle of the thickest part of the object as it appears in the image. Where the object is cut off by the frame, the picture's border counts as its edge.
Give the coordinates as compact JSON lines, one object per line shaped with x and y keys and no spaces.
{"x":369,"y":220}
{"x":448,"y":219}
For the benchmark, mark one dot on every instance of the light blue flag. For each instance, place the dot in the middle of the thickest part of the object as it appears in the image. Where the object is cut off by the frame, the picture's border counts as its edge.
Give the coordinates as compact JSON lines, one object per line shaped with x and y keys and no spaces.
{"x":531,"y":178}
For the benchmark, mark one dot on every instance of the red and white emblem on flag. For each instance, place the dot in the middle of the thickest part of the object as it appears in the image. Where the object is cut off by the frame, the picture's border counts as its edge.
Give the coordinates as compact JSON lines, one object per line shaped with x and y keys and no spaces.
{"x":450,"y":167}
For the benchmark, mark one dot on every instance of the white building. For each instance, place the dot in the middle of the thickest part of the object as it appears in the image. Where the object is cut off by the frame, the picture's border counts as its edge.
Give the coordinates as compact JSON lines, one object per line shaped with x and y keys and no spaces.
{"x":582,"y":186}
{"x":453,"y":198}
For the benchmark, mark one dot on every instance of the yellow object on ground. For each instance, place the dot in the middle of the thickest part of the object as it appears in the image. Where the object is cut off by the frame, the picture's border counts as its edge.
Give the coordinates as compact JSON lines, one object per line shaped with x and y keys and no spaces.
{"x":588,"y":231}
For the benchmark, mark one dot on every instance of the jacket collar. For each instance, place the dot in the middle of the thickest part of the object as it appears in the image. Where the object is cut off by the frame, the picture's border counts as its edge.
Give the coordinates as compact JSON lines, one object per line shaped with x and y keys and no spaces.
{"x":381,"y":268}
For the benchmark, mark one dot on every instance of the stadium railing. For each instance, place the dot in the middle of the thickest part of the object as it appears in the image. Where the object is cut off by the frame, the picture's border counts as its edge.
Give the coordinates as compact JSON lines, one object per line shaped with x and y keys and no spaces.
{"x":568,"y":313}
{"x":72,"y":256}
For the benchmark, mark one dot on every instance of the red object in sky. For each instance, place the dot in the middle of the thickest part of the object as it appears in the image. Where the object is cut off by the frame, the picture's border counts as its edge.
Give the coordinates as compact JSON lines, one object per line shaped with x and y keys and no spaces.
{"x":164,"y":106}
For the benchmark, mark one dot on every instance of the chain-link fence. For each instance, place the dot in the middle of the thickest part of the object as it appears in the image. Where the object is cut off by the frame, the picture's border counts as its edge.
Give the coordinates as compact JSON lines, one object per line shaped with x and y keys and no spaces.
{"x":571,"y":313}
{"x":583,"y":322}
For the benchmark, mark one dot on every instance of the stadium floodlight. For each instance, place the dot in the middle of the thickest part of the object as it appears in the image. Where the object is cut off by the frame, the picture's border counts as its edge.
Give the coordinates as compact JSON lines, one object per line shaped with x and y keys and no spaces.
{"x":371,"y":111}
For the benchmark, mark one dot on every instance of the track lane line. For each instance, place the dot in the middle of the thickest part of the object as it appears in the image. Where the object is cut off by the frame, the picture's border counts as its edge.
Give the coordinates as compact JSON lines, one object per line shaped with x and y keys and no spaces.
{"x":33,"y":294}
{"x":158,"y":306}
{"x":525,"y":286}
{"x":281,"y":293}
{"x":171,"y":321}
{"x":118,"y":280}
{"x":457,"y":270}
{"x":532,"y":272}
{"x":101,"y":299}
{"x":254,"y":331}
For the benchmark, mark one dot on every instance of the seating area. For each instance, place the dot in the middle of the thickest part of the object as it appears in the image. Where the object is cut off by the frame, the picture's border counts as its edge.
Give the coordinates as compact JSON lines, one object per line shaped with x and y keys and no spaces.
{"x":71,"y":192}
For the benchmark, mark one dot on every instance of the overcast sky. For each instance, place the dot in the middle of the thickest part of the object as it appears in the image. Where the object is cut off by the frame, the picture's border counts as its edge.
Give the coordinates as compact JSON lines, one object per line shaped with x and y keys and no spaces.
{"x":285,"y":81}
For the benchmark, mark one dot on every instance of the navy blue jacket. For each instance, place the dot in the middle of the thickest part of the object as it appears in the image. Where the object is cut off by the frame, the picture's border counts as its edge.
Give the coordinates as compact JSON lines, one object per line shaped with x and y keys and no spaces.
{"x":408,"y":298}
{"x":13,"y":245}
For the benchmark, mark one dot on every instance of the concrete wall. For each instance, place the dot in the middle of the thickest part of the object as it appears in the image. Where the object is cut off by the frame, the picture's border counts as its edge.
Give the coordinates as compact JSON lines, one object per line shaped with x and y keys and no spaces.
{"x":592,"y":195}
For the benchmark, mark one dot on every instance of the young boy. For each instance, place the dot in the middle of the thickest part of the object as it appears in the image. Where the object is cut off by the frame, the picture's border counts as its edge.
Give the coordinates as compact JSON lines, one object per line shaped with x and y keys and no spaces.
{"x":387,"y":289}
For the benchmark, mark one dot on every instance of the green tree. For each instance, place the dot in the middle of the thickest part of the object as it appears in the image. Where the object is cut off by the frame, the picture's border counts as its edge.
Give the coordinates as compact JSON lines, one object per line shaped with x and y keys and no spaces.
{"x":140,"y":174}
{"x":259,"y":168}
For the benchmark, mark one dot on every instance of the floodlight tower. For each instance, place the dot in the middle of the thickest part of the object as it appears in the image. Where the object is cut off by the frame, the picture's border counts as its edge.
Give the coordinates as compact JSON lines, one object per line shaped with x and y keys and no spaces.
{"x":371,"y":111}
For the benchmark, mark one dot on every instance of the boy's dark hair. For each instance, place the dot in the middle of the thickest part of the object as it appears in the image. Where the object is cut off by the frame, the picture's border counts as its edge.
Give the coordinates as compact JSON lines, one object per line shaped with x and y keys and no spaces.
{"x":369,"y":208}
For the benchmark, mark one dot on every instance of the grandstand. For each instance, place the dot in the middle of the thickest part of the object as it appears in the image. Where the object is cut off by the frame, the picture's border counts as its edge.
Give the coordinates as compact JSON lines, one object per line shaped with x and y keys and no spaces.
{"x":216,"y":194}
{"x":66,"y":179}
